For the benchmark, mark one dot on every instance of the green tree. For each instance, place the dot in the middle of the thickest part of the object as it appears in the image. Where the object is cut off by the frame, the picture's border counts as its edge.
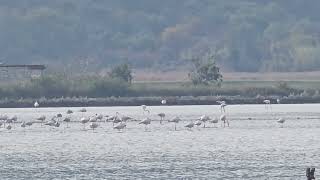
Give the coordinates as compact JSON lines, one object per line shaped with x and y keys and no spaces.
{"x":122,"y":72}
{"x":205,"y":71}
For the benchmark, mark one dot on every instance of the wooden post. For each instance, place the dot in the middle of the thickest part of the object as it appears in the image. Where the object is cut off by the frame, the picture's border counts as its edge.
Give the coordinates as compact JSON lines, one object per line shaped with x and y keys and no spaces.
{"x":310,"y":173}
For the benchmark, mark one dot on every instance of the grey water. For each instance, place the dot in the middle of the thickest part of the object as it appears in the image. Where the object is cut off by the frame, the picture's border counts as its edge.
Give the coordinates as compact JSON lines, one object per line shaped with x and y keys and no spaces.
{"x":255,"y":146}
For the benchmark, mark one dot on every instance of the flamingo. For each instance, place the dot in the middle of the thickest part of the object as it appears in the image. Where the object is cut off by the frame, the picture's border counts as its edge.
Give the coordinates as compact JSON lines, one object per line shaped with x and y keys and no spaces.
{"x":144,"y":108}
{"x":197,"y":123}
{"x":41,"y":118}
{"x":223,"y":118}
{"x":204,"y":119}
{"x":83,"y":121}
{"x":93,"y":126}
{"x":281,"y":121}
{"x":214,"y":121}
{"x":36,"y":104}
{"x":267,"y":103}
{"x":99,"y":117}
{"x":146,"y":122}
{"x":223,"y":104}
{"x":161,"y":115}
{"x":189,"y":125}
{"x":120,"y":126}
{"x":175,"y":120}
{"x":163,"y":101}
{"x":125,"y":118}
{"x":93,"y":119}
{"x":83,"y":110}
{"x":67,"y":120}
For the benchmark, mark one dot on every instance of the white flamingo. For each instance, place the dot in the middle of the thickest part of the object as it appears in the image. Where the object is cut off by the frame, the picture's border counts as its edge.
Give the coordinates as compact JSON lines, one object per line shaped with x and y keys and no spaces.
{"x":214,"y":121}
{"x":189,"y":125}
{"x":42,"y":119}
{"x":224,"y":119}
{"x":120,"y":126}
{"x":281,"y":121}
{"x":83,"y":110}
{"x":267,"y":103}
{"x":204,"y":119}
{"x":93,"y":126}
{"x":198,"y":123}
{"x":223,"y":104}
{"x":146,"y":122}
{"x":175,"y":120}
{"x":144,"y":108}
{"x":84,"y":121}
{"x":36,"y":104}
{"x":163,"y":101}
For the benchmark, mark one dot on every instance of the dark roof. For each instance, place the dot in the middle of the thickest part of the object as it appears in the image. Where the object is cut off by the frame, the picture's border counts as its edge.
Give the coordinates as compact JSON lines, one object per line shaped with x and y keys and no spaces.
{"x":31,"y":67}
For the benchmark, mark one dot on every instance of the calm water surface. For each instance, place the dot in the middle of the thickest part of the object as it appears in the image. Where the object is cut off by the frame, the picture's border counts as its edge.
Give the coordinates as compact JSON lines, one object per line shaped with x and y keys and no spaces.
{"x":258,"y":148}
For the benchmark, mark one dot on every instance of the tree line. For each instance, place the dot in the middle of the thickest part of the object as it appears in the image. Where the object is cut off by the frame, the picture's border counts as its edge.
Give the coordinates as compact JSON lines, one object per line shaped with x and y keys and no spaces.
{"x":85,"y":35}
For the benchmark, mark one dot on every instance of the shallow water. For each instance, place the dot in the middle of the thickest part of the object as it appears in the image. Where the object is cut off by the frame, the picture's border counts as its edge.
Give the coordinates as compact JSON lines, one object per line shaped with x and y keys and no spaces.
{"x":258,"y":148}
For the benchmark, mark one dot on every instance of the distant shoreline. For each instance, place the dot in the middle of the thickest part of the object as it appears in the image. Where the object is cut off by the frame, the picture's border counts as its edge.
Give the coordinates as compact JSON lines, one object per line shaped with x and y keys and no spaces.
{"x":152,"y":101}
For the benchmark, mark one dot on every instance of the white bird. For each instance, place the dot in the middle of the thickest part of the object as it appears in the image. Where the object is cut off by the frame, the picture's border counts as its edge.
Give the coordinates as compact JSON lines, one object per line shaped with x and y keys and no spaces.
{"x":36,"y":104}
{"x":144,"y":108}
{"x":164,"y":101}
{"x":197,"y":123}
{"x":120,"y":126}
{"x":223,"y":118}
{"x":93,"y":119}
{"x":83,"y":110}
{"x":175,"y":120}
{"x":214,"y":121}
{"x":93,"y":126}
{"x":42,"y":119}
{"x":146,"y":122}
{"x":223,"y":104}
{"x":278,"y":101}
{"x":3,"y":117}
{"x":267,"y":103}
{"x":83,"y":121}
{"x":125,"y":118}
{"x":161,"y":115}
{"x":204,"y":119}
{"x":189,"y":125}
{"x":13,"y":118}
{"x":99,"y":117}
{"x":281,"y":121}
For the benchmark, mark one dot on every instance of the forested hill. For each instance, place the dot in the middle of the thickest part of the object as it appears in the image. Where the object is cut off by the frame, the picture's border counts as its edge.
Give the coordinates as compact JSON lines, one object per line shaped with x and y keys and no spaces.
{"x":246,"y":35}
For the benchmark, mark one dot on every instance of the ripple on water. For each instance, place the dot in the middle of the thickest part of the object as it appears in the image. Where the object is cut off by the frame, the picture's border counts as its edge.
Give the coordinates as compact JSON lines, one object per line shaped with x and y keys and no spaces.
{"x":250,"y":149}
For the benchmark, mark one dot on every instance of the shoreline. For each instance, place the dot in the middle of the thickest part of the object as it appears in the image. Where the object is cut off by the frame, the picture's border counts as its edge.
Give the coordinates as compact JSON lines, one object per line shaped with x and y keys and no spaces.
{"x":153,"y":101}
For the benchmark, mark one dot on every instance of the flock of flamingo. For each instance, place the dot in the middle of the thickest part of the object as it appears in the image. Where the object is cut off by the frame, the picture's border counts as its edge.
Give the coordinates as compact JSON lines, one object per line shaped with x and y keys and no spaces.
{"x":120,"y":121}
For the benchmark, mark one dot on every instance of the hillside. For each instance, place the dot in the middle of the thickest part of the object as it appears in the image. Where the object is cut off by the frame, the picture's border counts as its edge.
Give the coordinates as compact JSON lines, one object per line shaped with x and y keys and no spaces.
{"x":246,"y":35}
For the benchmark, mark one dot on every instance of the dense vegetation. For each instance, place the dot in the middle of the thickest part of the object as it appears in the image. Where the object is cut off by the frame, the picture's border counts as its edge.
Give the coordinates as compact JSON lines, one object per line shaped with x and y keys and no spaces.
{"x":246,"y":35}
{"x":100,"y":87}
